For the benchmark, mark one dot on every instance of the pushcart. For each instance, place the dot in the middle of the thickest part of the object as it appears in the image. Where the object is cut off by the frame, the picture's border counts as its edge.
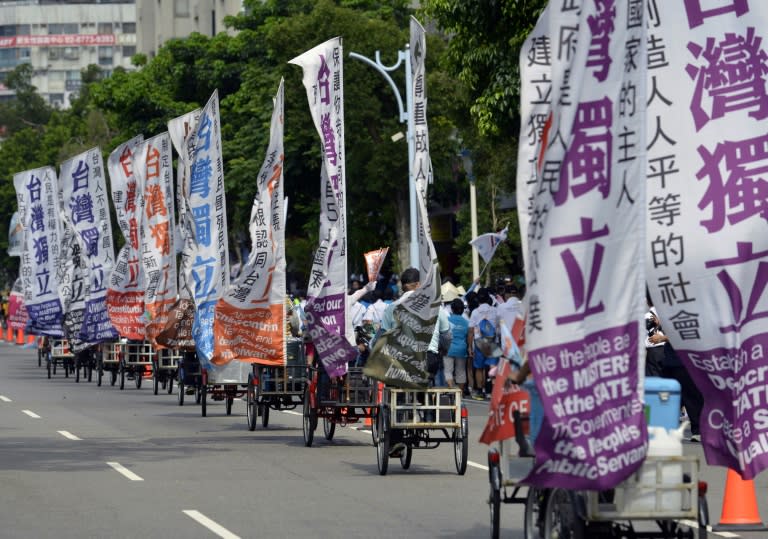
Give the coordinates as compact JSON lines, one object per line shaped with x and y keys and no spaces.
{"x":59,"y":355}
{"x":108,"y":354}
{"x":225,"y":384}
{"x":164,"y":369}
{"x":421,"y":419}
{"x":676,"y":510}
{"x":341,"y":401}
{"x":135,"y":360}
{"x":277,"y":387}
{"x":189,"y":377}
{"x":85,"y":360}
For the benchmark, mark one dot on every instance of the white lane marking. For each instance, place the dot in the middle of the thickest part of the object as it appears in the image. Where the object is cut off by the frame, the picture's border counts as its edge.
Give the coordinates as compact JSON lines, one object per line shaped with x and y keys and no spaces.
{"x":476,"y":465}
{"x":694,"y":524}
{"x":68,"y":435}
{"x":31,"y":414}
{"x":124,"y":471}
{"x":4,"y":398}
{"x":219,"y":530}
{"x":292,"y":412}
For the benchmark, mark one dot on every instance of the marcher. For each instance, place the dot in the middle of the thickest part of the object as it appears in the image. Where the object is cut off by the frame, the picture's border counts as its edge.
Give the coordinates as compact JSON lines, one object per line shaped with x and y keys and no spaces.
{"x":483,"y":323}
{"x":455,"y":361}
{"x":434,"y":354}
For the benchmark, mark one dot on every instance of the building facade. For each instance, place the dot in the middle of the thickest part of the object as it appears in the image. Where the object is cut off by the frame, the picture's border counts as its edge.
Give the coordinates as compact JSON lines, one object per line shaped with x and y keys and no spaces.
{"x":161,"y":20}
{"x":59,"y":39}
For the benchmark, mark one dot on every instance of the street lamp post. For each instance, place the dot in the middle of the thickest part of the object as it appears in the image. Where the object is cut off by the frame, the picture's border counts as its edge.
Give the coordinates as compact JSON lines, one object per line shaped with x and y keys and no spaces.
{"x":404,"y":57}
{"x":466,"y":157}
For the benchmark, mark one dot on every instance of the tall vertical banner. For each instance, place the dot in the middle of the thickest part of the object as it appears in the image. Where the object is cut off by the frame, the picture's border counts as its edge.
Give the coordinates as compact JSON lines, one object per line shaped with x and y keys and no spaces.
{"x":178,"y":331}
{"x":15,"y":235}
{"x":125,"y":294}
{"x":326,"y":310}
{"x":207,"y":207}
{"x":707,"y":212}
{"x":74,"y":280}
{"x":585,"y":282}
{"x":399,"y":356}
{"x":84,"y":196}
{"x":153,"y":165}
{"x":38,"y":212}
{"x":250,"y":318}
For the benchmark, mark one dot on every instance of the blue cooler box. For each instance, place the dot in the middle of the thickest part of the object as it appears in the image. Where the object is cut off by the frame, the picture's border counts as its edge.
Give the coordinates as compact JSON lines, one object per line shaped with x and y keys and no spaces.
{"x":662,"y":402}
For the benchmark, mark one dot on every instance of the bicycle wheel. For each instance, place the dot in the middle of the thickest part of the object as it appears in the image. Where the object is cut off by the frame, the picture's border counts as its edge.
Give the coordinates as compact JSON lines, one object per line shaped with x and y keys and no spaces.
{"x":561,"y":518}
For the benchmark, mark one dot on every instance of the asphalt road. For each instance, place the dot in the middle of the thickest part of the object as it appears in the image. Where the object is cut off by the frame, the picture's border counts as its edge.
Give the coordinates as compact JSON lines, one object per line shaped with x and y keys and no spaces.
{"x":82,"y":461}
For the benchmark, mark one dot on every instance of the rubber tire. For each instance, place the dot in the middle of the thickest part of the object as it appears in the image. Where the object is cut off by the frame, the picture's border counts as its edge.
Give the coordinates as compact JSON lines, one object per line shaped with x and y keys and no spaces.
{"x":535,"y":503}
{"x":374,"y":424}
{"x":39,"y":358}
{"x":264,"y":413}
{"x":494,"y":504}
{"x":169,"y":385}
{"x":703,"y":517}
{"x":329,"y":428}
{"x":251,"y":408}
{"x":461,"y":446}
{"x":203,"y":400}
{"x":228,"y":404}
{"x":89,"y":370}
{"x":382,"y":444}
{"x":138,"y":374}
{"x":561,"y":505}
{"x":65,"y":364}
{"x":180,"y":393}
{"x":99,"y":374}
{"x":53,"y":362}
{"x":309,"y":422}
{"x":122,"y":377}
{"x":49,"y":368}
{"x":198,"y":394}
{"x":155,"y":382}
{"x":77,"y":372}
{"x":112,"y":377}
{"x":405,"y":457}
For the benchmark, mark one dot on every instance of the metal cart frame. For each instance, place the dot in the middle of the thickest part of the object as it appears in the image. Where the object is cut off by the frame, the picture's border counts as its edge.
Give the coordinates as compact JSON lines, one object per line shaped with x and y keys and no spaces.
{"x":164,"y":369}
{"x":60,"y":354}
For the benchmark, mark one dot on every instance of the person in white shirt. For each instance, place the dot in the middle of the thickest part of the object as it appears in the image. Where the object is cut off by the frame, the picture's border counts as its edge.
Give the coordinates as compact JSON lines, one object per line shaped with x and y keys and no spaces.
{"x":511,"y":309}
{"x":477,"y":329}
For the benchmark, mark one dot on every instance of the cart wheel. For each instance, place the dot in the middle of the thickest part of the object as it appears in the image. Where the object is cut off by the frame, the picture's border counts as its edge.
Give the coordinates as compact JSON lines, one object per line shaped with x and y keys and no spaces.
{"x":65,"y":364}
{"x":203,"y":403}
{"x":99,"y":374}
{"x":264,"y":413}
{"x":180,"y":390}
{"x":122,"y":376}
{"x":250,"y":403}
{"x":703,"y":517}
{"x":138,"y":374}
{"x":49,"y":367}
{"x":198,"y":393}
{"x":375,"y":424}
{"x":310,"y":420}
{"x":77,"y":372}
{"x":382,"y":444}
{"x":533,"y":520}
{"x":494,"y":503}
{"x":53,"y":362}
{"x":329,"y":428}
{"x":169,"y":385}
{"x":89,"y":368}
{"x":155,"y":382}
{"x":39,"y":358}
{"x":405,"y":457}
{"x":461,"y":446}
{"x":112,"y":377}
{"x":561,"y":519}
{"x":228,"y":405}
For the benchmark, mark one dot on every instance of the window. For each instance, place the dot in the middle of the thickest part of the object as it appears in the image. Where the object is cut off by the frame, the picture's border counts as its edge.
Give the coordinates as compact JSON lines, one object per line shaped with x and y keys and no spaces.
{"x":105,"y":56}
{"x":129,"y":27}
{"x":23,"y":29}
{"x":25,"y":53}
{"x":128,"y":51}
{"x":8,"y":58}
{"x":57,"y":100}
{"x":56,"y":76}
{"x":65,"y":28}
{"x":104,"y":28}
{"x":181,"y":8}
{"x":54,"y":53}
{"x":73,"y":75}
{"x":7,"y":30}
{"x":70,"y":53}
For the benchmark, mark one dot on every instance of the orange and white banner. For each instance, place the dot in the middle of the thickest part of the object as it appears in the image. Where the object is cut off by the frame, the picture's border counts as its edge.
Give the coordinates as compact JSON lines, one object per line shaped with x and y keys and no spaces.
{"x":373,"y":262}
{"x":249,"y":326}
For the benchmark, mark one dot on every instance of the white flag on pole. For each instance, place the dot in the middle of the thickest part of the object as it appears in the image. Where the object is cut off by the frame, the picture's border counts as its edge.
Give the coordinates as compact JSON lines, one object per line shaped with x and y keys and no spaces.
{"x":486,"y":244}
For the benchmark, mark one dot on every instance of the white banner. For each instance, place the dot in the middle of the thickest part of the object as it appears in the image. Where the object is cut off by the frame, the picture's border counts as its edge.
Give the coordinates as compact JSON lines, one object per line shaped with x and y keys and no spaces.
{"x":38,"y":211}
{"x":707,"y":213}
{"x":585,"y":283}
{"x":73,"y":276}
{"x":326,"y":310}
{"x":486,"y":244}
{"x":125,"y":294}
{"x":84,"y":197}
{"x":250,"y":318}
{"x":153,"y":165}
{"x":15,"y":235}
{"x":207,"y":207}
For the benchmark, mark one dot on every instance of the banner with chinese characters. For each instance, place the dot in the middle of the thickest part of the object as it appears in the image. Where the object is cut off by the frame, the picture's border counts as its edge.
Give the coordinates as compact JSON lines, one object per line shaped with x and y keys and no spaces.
{"x":84,"y":198}
{"x":38,"y":212}
{"x":707,"y":212}
{"x":250,"y":318}
{"x":15,"y":235}
{"x":585,"y":277}
{"x":207,"y":207}
{"x":399,"y":355}
{"x":125,"y":294}
{"x":326,"y":309}
{"x":74,"y":278}
{"x":153,"y":165}
{"x":178,"y":330}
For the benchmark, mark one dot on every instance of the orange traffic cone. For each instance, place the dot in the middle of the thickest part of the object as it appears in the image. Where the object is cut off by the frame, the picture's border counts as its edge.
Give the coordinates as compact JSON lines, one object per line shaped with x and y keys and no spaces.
{"x":31,"y":339}
{"x":19,"y":336}
{"x":9,"y":334}
{"x":740,"y":511}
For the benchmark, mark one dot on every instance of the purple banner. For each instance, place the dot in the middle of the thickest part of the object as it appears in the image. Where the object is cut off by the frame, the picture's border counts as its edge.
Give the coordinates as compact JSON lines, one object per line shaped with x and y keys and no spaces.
{"x":333,"y":349}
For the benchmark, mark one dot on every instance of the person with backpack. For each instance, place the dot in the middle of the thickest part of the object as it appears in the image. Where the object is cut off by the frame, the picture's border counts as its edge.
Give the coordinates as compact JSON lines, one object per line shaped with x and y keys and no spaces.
{"x":483,"y":331}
